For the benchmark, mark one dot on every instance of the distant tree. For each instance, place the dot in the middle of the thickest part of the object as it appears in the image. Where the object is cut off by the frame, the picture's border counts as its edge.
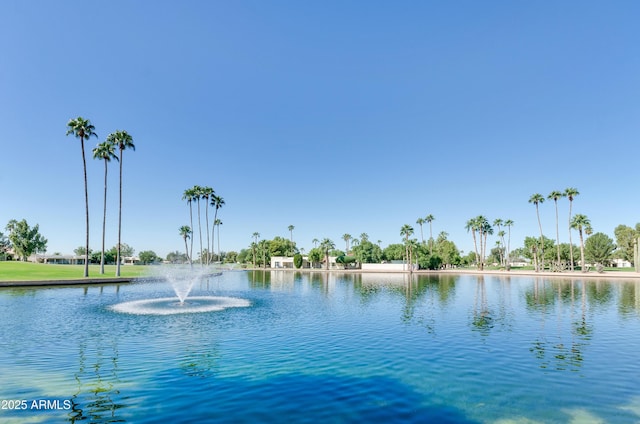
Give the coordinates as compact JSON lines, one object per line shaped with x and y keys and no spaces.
{"x":104,"y":151}
{"x":625,"y":237}
{"x":555,"y":195}
{"x":254,"y":245}
{"x":185,"y":233}
{"x":24,"y":239}
{"x":122,"y":250}
{"x":207,"y":193}
{"x":291,"y":228}
{"x":231,"y":257}
{"x":536,"y":199}
{"x":123,"y":141}
{"x":280,"y":246}
{"x":508,"y":223}
{"x":189,"y":196}
{"x":406,"y":231}
{"x":420,"y":222}
{"x":4,"y":245}
{"x":177,"y":257}
{"x":315,"y":256}
{"x":447,"y":251}
{"x":297,"y":260}
{"x":430,"y":218}
{"x":81,"y":251}
{"x":346,"y":238}
{"x":367,"y":253}
{"x":326,"y":245}
{"x":315,"y":242}
{"x":83,"y":129}
{"x":582,"y":224}
{"x":570,"y":193}
{"x":364,"y":237}
{"x":148,"y":257}
{"x":217,"y":202}
{"x":599,"y":248}
{"x":393,"y":252}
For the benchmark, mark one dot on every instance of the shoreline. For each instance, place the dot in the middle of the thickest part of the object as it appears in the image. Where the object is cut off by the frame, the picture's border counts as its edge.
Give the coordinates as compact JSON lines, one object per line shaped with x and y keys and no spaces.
{"x":608,"y":275}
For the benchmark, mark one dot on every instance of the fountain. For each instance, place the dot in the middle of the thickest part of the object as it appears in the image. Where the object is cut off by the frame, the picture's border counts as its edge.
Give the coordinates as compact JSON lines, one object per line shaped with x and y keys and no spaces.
{"x":182,"y":281}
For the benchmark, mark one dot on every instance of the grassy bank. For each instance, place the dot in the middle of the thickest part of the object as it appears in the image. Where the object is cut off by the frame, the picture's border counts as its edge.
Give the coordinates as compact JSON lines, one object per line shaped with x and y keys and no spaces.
{"x":27,"y":271}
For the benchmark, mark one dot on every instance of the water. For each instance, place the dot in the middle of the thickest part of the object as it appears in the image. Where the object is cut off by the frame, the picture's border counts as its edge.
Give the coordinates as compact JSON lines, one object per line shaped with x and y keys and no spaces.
{"x":327,"y":348}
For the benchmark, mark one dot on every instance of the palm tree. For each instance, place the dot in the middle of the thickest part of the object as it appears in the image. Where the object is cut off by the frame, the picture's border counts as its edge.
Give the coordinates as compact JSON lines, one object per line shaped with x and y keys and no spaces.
{"x":364,"y":237}
{"x":326,"y":245}
{"x":206,"y":194}
{"x":290,"y":228}
{"x":508,"y":223}
{"x":346,"y":238}
{"x":105,"y":151}
{"x":499,"y":223}
{"x":217,"y":202}
{"x":421,"y":221}
{"x":536,"y":199}
{"x":123,"y":141}
{"x":570,"y":193}
{"x":185,"y":233}
{"x":217,"y":223}
{"x":188,"y":195}
{"x":472,"y":226}
{"x":315,"y":242}
{"x":430,"y":218}
{"x":407,"y":230}
{"x":82,"y":128}
{"x":581,"y":223}
{"x":485,"y":229}
{"x":196,"y":192}
{"x":555,"y":195}
{"x":255,"y":236}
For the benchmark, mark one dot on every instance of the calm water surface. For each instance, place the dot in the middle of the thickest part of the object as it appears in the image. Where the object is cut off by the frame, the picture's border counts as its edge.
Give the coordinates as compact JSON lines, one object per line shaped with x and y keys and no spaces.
{"x":328,"y":348}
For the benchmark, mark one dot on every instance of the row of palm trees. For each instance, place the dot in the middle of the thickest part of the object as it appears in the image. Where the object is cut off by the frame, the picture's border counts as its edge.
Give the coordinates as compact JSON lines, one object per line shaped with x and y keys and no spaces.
{"x":578,"y":222}
{"x":481,"y":228}
{"x":210,"y":199}
{"x":119,"y":140}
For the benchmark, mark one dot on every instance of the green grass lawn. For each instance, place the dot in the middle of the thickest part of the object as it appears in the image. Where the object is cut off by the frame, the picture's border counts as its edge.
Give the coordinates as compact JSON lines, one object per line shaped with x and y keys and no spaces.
{"x":25,"y":271}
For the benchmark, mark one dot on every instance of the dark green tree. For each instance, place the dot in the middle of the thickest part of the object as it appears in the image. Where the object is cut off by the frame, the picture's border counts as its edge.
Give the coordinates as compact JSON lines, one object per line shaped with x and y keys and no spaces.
{"x":599,"y":248}
{"x":24,"y":239}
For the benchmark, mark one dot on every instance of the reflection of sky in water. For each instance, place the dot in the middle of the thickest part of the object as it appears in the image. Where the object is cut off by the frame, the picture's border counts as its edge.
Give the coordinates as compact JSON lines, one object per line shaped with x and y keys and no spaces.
{"x":347,"y":347}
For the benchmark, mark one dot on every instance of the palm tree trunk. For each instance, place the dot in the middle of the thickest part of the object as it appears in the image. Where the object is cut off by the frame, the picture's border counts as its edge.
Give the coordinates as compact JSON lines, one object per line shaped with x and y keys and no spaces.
{"x":200,"y":230}
{"x":104,"y":218}
{"x":86,"y":202}
{"x":582,"y":267}
{"x":430,"y":239}
{"x":186,"y":247}
{"x":557,"y":235}
{"x":119,"y":221}
{"x":570,"y":242}
{"x":219,"y":254}
{"x":213,"y":232}
{"x":509,"y":247}
{"x":206,"y":210}
{"x":191,"y":221}
{"x":475,"y":246}
{"x":541,"y":240}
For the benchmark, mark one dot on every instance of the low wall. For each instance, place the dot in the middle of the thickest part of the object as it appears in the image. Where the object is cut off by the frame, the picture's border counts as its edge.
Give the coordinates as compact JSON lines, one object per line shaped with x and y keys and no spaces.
{"x":386,"y":267}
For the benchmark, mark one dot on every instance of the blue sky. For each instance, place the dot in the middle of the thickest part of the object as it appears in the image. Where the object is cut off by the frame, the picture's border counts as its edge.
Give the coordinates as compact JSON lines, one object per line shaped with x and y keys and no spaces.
{"x":335,"y":116}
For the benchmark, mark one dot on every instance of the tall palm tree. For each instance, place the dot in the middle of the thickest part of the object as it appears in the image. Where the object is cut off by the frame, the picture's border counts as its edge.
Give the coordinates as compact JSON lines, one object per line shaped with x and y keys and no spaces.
{"x":536,"y":199}
{"x":197,"y":195}
{"x":217,"y":202}
{"x":407,"y":230}
{"x":123,"y":141}
{"x":256,"y":236}
{"x":485,"y":230}
{"x":430,"y":218}
{"x":421,"y":221}
{"x":188,"y":195}
{"x":581,"y":223}
{"x":104,"y":151}
{"x":206,"y":194}
{"x":498,"y":223}
{"x":508,"y":223}
{"x":315,"y":242}
{"x":555,"y":195}
{"x":364,"y":237}
{"x":326,"y":245}
{"x":83,"y":129}
{"x":472,"y":225}
{"x":346,"y":238}
{"x":185,"y":233}
{"x":290,"y":228}
{"x":570,"y":193}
